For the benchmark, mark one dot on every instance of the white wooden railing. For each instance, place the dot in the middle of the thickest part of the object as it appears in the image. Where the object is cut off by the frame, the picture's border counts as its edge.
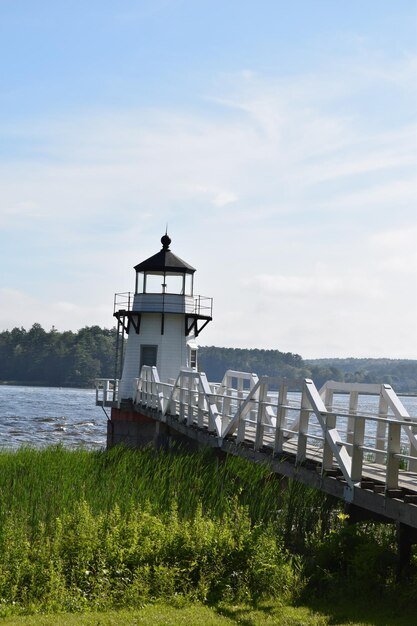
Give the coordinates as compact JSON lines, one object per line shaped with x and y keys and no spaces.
{"x":107,"y":391}
{"x":329,"y":426}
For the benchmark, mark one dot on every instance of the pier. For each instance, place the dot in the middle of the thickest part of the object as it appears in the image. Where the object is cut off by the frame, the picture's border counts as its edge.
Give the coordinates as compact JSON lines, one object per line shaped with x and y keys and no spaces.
{"x":366,"y":459}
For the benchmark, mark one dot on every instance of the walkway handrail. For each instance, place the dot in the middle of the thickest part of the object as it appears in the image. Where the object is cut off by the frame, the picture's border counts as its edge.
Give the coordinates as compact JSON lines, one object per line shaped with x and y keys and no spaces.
{"x":244,"y":410}
{"x":389,"y":401}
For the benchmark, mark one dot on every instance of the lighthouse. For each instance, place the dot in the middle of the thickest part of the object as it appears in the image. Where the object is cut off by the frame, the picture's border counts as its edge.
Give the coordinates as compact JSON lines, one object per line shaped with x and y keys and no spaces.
{"x":162,"y":319}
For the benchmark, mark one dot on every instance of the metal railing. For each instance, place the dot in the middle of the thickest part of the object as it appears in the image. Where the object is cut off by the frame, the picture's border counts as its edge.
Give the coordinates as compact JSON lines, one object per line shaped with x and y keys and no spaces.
{"x":192,"y":305}
{"x":123,"y":301}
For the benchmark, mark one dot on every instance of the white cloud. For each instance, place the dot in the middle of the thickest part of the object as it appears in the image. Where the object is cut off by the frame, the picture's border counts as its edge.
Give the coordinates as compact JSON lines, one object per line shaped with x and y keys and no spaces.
{"x":292,"y":211}
{"x":18,"y":308}
{"x":218,"y":197}
{"x":325,"y":282}
{"x":396,"y":251}
{"x":397,"y":238}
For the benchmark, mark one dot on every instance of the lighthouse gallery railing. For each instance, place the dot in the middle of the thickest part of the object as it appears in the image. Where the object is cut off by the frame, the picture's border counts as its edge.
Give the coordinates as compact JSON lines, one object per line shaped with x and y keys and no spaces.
{"x":195,"y":304}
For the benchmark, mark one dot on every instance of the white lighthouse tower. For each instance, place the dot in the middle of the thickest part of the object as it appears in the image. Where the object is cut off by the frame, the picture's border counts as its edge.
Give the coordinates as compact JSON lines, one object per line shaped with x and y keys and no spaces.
{"x":162,"y":319}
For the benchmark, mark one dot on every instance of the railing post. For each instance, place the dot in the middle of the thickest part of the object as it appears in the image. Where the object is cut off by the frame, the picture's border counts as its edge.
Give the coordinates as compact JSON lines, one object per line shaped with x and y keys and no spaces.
{"x":328,"y":399}
{"x":241,"y":429}
{"x":182,"y":397}
{"x":393,"y":462}
{"x":240,"y":392}
{"x":357,"y":450}
{"x":172,"y":408}
{"x":152,"y":388}
{"x":142,"y":383}
{"x":330,"y":424}
{"x":303,"y":428}
{"x":148,"y":389}
{"x":400,"y":413}
{"x":253,"y":381}
{"x":263,"y":393}
{"x":155,"y":391}
{"x":146,"y":381}
{"x":201,"y":406}
{"x":190,"y":409}
{"x":212,"y":399}
{"x":228,"y":392}
{"x":281,"y":418}
{"x":412,"y":464}
{"x":353,"y":409}
{"x":381,"y":431}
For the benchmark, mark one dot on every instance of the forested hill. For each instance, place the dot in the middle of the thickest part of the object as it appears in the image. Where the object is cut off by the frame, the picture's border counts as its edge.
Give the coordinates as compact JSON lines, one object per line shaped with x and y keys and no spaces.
{"x":58,"y":359}
{"x":216,"y":361}
{"x":400,"y":373}
{"x":37,"y":356}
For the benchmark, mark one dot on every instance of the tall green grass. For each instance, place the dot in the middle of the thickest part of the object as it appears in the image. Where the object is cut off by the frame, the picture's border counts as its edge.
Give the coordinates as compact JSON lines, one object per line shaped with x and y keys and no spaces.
{"x":42,"y":484}
{"x":83,"y":530}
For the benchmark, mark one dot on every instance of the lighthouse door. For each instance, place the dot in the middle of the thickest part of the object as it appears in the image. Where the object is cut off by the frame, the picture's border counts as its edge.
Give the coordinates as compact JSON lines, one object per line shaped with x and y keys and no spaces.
{"x":148,"y":355}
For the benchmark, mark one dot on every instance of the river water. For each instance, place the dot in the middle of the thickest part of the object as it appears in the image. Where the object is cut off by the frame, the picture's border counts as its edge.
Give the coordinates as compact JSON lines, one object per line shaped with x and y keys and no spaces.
{"x":40,"y":416}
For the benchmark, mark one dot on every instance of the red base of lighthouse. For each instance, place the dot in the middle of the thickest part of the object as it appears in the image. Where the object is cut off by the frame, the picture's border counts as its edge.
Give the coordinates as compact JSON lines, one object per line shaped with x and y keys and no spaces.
{"x":130,"y":428}
{"x":135,"y":430}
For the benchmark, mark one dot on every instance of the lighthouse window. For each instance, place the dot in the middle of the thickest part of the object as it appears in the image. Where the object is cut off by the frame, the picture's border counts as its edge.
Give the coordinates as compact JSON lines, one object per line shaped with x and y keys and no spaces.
{"x":174,"y":283}
{"x":148,"y":355}
{"x":139,"y":283}
{"x":188,"y":284}
{"x":154,"y":283}
{"x":169,"y":282}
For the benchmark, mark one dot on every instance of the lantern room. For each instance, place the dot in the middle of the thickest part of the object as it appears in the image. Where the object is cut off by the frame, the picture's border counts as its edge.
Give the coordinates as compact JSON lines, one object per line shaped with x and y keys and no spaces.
{"x":164,"y":273}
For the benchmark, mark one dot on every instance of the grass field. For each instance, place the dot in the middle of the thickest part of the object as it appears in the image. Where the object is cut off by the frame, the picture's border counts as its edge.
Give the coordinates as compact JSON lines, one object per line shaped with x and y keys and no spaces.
{"x":84,"y":534}
{"x":191,"y":615}
{"x":195,"y":614}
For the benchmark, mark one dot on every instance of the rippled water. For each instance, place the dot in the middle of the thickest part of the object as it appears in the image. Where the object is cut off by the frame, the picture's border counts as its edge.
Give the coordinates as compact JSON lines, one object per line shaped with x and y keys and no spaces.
{"x":40,"y":416}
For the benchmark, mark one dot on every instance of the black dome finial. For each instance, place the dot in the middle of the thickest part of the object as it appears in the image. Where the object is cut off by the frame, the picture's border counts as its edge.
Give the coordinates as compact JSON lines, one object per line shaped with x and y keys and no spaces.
{"x":165,"y":240}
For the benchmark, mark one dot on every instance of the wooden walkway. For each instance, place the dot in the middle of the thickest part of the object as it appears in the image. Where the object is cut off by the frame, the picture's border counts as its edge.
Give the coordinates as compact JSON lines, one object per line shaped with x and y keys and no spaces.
{"x":366,"y":458}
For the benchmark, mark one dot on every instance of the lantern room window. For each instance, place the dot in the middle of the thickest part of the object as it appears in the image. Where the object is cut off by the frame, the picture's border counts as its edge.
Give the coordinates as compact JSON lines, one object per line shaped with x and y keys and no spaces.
{"x":188,"y":284}
{"x":168,"y":282}
{"x":140,"y":278}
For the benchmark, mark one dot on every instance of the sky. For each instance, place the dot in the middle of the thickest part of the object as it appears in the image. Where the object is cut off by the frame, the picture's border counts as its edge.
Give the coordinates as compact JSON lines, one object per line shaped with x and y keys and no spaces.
{"x":276,"y":139}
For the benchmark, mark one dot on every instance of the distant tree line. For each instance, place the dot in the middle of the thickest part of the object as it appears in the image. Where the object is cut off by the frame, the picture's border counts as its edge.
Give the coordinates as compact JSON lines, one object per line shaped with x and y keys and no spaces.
{"x":400,"y":373}
{"x":216,"y":361}
{"x":58,"y":359}
{"x":70,"y":358}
